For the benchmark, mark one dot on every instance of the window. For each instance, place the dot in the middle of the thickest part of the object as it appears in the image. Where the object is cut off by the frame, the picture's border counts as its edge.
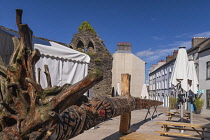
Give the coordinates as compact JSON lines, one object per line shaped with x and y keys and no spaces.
{"x":166,"y":84}
{"x":169,"y":69}
{"x":208,"y":70}
{"x":165,"y":71}
{"x":208,"y":98}
{"x":157,"y":85}
{"x":193,"y":56}
{"x":90,"y":46}
{"x":162,"y":84}
{"x":169,"y":82}
{"x":80,"y":45}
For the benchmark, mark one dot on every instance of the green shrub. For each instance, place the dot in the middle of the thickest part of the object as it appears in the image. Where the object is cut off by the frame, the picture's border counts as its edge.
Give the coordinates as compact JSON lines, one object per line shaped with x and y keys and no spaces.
{"x":199,"y":103}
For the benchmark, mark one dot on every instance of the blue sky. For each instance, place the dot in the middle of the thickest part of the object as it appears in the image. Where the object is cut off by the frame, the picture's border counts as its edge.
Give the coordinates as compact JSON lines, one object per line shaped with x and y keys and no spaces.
{"x":154,"y":27}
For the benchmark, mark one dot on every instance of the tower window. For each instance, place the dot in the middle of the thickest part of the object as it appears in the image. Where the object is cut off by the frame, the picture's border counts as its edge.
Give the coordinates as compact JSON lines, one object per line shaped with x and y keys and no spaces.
{"x":80,"y":45}
{"x":90,"y":46}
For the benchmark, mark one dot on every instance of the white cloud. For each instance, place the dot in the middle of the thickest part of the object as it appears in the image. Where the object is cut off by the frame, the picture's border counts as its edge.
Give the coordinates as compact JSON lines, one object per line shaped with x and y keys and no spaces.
{"x":178,"y":44}
{"x":145,"y":53}
{"x":183,"y":35}
{"x":157,"y":38}
{"x":203,"y":34}
{"x":187,"y":44}
{"x":149,"y":55}
{"x":155,"y":55}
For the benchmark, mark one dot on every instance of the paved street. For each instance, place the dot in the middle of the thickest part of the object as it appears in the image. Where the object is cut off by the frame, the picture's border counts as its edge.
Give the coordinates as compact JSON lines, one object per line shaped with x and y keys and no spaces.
{"x":109,"y":129}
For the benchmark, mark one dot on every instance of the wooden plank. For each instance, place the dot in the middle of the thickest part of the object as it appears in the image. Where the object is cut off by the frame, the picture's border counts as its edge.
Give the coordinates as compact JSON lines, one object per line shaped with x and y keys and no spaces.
{"x":180,"y":134}
{"x":125,"y":119}
{"x":186,"y":129}
{"x":184,"y":124}
{"x":143,"y":136}
{"x":187,"y":117}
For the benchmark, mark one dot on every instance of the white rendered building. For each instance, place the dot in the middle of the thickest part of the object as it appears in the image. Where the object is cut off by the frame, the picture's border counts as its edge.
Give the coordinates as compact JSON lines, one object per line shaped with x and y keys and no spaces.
{"x":126,"y":62}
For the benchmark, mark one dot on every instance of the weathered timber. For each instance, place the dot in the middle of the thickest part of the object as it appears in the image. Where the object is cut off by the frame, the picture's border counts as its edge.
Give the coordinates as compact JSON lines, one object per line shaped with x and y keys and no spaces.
{"x":30,"y":112}
{"x":27,"y":109}
{"x":125,"y":119}
{"x":47,"y":73}
{"x":78,"y":118}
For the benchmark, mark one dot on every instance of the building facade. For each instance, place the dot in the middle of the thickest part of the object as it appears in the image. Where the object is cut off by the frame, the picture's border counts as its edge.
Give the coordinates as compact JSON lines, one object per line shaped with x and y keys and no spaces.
{"x":126,"y":62}
{"x":160,"y":87}
{"x":204,"y":76}
{"x":200,"y":53}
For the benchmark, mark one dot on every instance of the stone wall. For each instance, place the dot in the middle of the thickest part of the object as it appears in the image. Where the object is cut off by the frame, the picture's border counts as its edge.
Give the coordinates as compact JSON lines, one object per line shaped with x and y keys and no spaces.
{"x":92,"y":44}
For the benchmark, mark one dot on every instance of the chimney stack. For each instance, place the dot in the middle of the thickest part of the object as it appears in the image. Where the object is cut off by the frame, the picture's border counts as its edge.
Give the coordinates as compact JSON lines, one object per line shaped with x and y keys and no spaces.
{"x":175,"y":53}
{"x":124,"y":47}
{"x":197,"y":40}
{"x":169,"y":58}
{"x":161,"y":61}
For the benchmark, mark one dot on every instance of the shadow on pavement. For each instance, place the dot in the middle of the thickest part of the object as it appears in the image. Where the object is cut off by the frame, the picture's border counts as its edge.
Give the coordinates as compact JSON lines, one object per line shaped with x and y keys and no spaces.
{"x":134,"y":127}
{"x":208,"y":119}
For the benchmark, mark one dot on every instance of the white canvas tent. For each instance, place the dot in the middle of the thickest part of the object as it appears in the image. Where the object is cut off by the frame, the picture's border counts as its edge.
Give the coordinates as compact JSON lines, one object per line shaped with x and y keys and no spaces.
{"x":65,"y":65}
{"x":144,"y":92}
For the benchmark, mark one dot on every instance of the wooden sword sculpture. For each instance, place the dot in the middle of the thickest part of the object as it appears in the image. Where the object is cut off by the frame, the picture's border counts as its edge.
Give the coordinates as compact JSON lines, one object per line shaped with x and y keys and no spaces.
{"x":30,"y":112}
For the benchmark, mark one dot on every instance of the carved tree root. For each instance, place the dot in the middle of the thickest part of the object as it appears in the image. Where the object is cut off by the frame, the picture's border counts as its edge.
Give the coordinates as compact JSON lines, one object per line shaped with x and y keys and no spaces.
{"x":30,"y":110}
{"x":76,"y":119}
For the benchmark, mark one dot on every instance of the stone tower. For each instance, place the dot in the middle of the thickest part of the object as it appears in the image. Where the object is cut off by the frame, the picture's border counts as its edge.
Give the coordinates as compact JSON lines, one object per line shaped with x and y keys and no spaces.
{"x":87,"y":40}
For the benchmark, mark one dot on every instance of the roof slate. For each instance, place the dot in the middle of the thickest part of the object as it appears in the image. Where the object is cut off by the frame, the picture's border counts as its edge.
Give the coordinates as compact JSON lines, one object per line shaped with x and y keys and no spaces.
{"x":15,"y":33}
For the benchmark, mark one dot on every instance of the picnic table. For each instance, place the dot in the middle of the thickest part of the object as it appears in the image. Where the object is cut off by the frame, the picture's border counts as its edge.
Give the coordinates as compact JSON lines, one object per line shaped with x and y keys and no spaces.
{"x":200,"y":129}
{"x":143,"y":136}
{"x":171,"y":114}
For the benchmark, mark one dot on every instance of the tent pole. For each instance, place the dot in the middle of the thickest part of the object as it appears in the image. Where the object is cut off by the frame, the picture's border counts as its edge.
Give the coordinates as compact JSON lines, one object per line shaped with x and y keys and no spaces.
{"x":182,"y":112}
{"x":182,"y":131}
{"x":191,"y":116}
{"x":191,"y":107}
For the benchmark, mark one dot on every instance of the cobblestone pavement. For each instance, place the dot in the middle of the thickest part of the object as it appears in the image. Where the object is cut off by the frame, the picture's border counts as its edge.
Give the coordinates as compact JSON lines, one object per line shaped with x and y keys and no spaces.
{"x":109,"y":130}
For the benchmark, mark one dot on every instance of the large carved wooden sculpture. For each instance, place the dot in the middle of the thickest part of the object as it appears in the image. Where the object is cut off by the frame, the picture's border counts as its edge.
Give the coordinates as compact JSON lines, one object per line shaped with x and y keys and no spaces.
{"x":30,"y":112}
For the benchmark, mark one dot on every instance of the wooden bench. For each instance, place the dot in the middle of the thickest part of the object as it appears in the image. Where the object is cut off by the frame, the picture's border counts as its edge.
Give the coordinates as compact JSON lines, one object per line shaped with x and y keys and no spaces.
{"x":200,"y":129}
{"x":142,"y":136}
{"x":170,"y":115}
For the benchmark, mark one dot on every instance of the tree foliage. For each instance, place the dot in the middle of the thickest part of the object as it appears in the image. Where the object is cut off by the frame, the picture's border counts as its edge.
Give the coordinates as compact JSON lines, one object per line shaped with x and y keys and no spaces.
{"x":85,"y":26}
